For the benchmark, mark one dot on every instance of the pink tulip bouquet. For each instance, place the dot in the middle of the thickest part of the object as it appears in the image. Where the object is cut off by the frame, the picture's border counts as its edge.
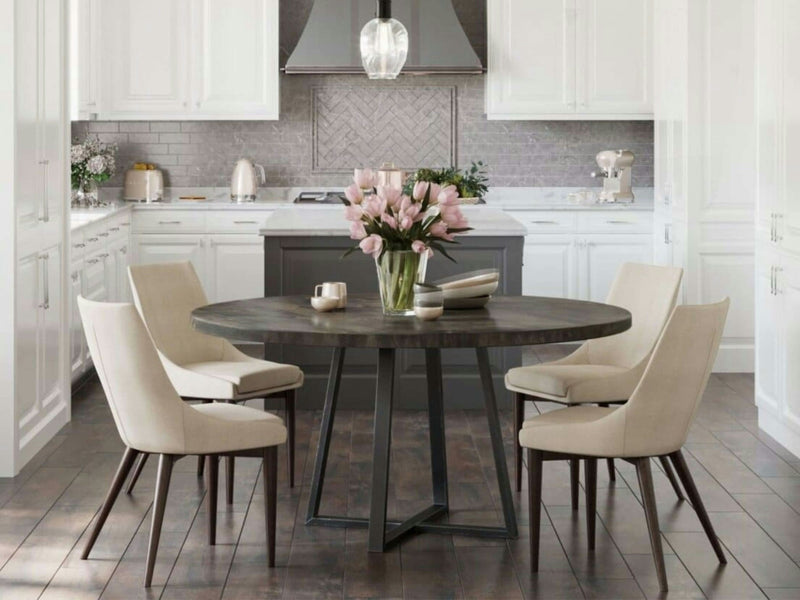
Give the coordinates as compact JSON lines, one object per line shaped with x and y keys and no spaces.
{"x":401,"y":231}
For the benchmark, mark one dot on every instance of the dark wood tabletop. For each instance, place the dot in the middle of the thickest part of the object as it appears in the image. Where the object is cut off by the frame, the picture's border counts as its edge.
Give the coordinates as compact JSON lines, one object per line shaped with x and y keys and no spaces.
{"x":506,"y":321}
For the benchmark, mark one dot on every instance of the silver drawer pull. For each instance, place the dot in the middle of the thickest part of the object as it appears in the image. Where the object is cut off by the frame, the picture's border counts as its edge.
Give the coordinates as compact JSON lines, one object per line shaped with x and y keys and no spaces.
{"x":92,"y":239}
{"x":618,"y":222}
{"x":93,"y":261}
{"x":114,"y":229}
{"x":123,"y":250}
{"x":104,"y":234}
{"x":45,"y":258}
{"x":169,"y":222}
{"x":545,"y":222}
{"x":245,"y":222}
{"x":125,"y":224}
{"x":79,"y":245}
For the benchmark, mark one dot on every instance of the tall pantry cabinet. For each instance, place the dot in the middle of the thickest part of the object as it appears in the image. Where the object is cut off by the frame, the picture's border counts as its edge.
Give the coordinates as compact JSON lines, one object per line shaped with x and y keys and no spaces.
{"x":35,"y":393}
{"x":778,"y":221}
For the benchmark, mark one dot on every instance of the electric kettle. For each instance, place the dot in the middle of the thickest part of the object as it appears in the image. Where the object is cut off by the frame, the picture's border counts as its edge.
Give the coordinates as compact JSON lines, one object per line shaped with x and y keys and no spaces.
{"x":244,"y":181}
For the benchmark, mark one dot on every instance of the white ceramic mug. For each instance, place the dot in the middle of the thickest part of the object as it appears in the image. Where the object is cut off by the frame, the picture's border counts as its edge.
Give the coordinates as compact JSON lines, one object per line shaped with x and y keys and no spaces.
{"x":333,"y":289}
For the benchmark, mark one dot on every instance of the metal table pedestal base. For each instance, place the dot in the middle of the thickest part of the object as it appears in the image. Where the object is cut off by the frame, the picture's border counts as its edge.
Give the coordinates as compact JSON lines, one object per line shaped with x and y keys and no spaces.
{"x":383,"y":533}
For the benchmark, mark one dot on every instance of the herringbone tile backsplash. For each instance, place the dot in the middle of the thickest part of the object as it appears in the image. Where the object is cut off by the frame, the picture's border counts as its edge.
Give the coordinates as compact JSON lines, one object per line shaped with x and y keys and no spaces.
{"x":330,"y":124}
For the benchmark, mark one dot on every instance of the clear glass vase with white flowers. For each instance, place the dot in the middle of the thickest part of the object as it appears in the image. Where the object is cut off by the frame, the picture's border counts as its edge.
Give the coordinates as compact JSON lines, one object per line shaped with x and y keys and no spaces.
{"x":92,"y":162}
{"x":401,"y":232}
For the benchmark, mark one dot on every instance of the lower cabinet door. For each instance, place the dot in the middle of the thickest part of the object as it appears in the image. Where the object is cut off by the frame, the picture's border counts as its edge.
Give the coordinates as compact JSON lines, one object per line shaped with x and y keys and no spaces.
{"x":600,"y":257}
{"x":788,"y":290}
{"x":28,"y":298}
{"x":549,"y":266}
{"x":235,"y":267}
{"x":76,"y":340}
{"x":51,"y":328}
{"x":769,"y":327}
{"x":158,"y":248}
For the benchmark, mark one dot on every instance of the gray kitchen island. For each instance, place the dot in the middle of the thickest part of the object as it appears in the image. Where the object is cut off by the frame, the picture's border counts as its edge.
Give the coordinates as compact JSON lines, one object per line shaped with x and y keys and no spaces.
{"x":303,"y":247}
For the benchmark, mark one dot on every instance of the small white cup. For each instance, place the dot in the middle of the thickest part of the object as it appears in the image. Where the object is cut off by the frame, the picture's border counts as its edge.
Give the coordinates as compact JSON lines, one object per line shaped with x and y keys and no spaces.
{"x":332,"y":289}
{"x":324,"y":303}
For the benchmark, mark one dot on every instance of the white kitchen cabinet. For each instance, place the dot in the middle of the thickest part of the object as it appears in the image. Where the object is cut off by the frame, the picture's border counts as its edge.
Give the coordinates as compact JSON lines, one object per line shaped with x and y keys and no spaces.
{"x":146,"y":53}
{"x":614,"y":57}
{"x":569,"y":59}
{"x":39,"y":165}
{"x":181,"y":59}
{"x":39,"y":393}
{"x":161,"y":248}
{"x":85,"y":58}
{"x":77,"y":344}
{"x":549,"y":266}
{"x":235,"y":267}
{"x":601,"y":256}
{"x":235,"y":71}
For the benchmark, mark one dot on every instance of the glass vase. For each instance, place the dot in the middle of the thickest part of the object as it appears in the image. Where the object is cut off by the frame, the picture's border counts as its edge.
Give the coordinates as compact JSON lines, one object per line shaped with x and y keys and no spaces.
{"x":86,"y":195}
{"x":398,"y":271}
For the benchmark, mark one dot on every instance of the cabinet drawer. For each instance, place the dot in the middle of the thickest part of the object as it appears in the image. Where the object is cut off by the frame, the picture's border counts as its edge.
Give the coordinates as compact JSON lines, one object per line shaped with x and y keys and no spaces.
{"x":615,"y":222}
{"x":240,"y":221}
{"x":546,"y":221}
{"x":169,"y":221}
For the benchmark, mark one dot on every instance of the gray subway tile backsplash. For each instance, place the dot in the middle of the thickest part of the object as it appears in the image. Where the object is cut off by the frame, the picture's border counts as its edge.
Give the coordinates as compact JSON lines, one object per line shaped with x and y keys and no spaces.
{"x":316,"y":141}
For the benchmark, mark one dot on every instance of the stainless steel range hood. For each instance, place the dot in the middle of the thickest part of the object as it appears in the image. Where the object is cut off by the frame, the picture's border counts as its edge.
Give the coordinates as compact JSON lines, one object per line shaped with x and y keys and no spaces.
{"x":330,"y":40}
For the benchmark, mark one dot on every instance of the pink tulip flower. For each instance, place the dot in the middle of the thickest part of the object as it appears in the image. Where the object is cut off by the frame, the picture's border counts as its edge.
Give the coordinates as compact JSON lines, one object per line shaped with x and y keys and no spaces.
{"x":420,"y":248}
{"x":374,"y":207}
{"x":389,"y":220}
{"x":448,"y":196}
{"x":357,"y":230}
{"x":412,"y":211}
{"x":372,"y":244}
{"x":365,"y":179}
{"x":439,"y":230}
{"x":354,"y":194}
{"x":353,"y":212}
{"x":419,"y":190}
{"x":435,"y":190}
{"x":392,"y":195}
{"x":453,"y":217}
{"x":406,"y":223}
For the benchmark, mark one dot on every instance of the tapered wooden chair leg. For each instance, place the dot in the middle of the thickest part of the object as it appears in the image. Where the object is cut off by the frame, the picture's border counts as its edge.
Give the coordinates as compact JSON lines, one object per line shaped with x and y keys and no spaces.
{"x":137,"y":470}
{"x":697,"y":502}
{"x":230,"y":466}
{"x":671,"y":476}
{"x":519,"y":417}
{"x":290,"y":427}
{"x":113,"y":491}
{"x":590,"y":465}
{"x":270,"y":476}
{"x":212,"y":484}
{"x":651,"y":514}
{"x":612,"y":472}
{"x":574,"y":475}
{"x":165,"y":462}
{"x":534,"y":504}
{"x":201,"y":463}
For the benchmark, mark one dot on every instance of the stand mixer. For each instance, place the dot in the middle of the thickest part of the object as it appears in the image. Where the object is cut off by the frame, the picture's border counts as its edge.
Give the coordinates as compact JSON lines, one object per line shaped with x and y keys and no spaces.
{"x":615,"y":168}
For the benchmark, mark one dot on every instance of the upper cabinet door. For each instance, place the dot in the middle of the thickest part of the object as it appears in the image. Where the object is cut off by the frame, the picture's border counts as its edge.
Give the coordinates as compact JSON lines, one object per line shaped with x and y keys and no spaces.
{"x":531,"y":48}
{"x":145,"y":72}
{"x":236,"y":63}
{"x":615,"y":58}
{"x":84,"y":57}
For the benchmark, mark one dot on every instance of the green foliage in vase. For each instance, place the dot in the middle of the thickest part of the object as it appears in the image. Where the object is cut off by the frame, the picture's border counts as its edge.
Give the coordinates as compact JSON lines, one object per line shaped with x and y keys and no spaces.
{"x":470,"y":183}
{"x":92,"y":160}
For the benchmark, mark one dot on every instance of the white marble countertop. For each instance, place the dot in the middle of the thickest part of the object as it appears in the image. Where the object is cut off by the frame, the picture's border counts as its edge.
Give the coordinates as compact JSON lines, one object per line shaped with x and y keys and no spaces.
{"x":510,"y":199}
{"x":330,"y":221}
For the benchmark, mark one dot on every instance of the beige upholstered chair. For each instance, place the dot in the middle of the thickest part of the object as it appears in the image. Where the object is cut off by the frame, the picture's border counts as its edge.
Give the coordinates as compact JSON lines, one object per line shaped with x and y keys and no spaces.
{"x":606,"y":370}
{"x":151,"y":418}
{"x":654,"y":422}
{"x":203,"y":367}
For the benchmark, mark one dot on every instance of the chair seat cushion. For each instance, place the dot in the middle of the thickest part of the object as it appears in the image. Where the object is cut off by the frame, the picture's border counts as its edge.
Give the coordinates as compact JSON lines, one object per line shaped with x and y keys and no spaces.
{"x":227,"y":380}
{"x":221,"y":427}
{"x":574,"y":383}
{"x":586,"y":430}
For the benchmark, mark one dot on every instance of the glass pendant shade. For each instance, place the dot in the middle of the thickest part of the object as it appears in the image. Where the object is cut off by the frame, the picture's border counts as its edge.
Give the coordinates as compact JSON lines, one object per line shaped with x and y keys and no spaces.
{"x":384,"y":45}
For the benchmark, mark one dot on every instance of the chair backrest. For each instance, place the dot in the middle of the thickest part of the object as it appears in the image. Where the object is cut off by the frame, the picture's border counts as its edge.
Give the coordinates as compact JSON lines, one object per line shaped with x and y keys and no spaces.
{"x":147,"y":410}
{"x":165,"y":295}
{"x":649,"y":292}
{"x":661,"y":408}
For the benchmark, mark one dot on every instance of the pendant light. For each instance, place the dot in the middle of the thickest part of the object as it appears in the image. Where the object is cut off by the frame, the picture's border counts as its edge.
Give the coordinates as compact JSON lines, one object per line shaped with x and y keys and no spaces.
{"x":384,"y":44}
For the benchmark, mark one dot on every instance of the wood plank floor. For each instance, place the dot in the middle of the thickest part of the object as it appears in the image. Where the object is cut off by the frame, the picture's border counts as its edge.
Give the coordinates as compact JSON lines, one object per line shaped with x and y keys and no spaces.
{"x":750,"y":484}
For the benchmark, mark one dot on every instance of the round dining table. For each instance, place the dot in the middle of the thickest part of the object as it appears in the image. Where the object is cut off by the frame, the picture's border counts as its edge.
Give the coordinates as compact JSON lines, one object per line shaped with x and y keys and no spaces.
{"x":505,"y":321}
